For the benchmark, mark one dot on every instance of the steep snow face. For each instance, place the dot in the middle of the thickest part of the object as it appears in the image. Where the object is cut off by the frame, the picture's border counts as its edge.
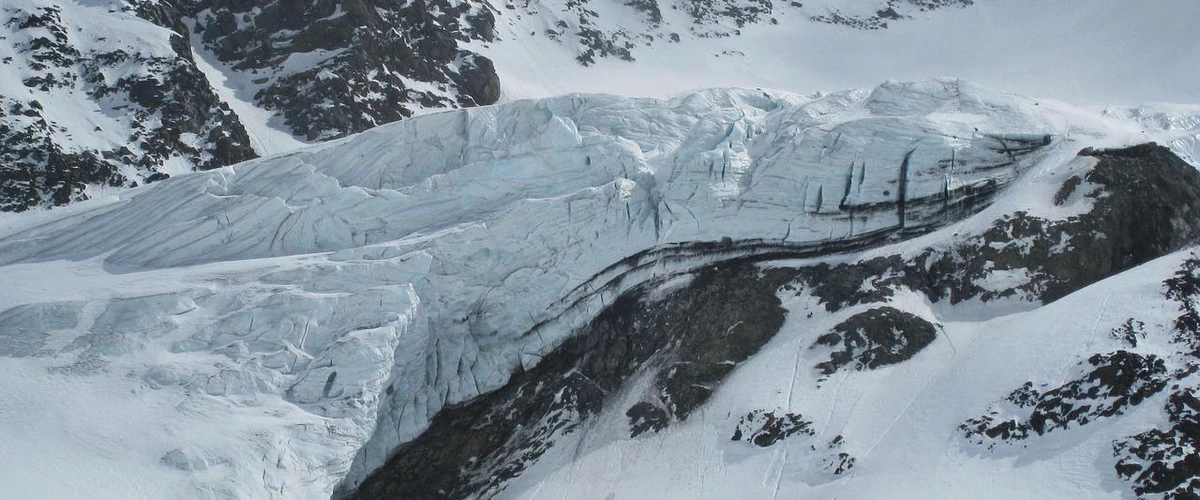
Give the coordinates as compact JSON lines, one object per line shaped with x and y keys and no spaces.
{"x":256,"y":326}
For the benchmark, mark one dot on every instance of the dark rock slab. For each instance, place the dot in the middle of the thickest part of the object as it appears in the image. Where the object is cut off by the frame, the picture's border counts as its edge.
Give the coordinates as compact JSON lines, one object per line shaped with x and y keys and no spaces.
{"x":878,"y":337}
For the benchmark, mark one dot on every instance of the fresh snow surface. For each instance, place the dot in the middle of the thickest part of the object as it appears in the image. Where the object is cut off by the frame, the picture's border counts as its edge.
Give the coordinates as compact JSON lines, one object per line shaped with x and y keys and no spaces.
{"x":266,"y":329}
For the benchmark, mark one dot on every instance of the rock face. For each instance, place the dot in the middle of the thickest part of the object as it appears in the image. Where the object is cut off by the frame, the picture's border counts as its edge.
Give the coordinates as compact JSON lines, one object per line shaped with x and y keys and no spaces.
{"x":683,"y":343}
{"x":112,"y":96}
{"x":336,"y":68}
{"x":1158,"y":461}
{"x":875,"y":338}
{"x":1165,"y":461}
{"x":765,"y":428}
{"x":99,"y":107}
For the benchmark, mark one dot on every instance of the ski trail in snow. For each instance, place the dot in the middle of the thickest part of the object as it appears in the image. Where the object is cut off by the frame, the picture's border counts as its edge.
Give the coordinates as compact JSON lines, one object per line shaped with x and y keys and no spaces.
{"x":537,"y":490}
{"x":1085,"y":346}
{"x":912,"y":400}
{"x":788,"y":407}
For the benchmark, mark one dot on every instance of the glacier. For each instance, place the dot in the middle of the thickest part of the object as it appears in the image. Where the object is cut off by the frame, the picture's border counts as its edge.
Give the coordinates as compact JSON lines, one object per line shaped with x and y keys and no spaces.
{"x":275,"y":328}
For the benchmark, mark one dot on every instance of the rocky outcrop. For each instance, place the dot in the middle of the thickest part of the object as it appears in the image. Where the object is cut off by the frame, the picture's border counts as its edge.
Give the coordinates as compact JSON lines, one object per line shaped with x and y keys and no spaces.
{"x":874,"y":338}
{"x":597,"y":37}
{"x":765,"y":428}
{"x":1158,"y":461}
{"x":336,"y":68}
{"x":156,"y":110}
{"x":894,"y":10}
{"x":329,"y":68}
{"x":1113,"y":384}
{"x":1164,"y":461}
{"x":1045,"y":258}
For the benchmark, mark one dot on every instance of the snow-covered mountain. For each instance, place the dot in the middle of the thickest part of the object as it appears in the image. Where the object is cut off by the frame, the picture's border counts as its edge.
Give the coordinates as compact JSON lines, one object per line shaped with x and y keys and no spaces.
{"x":922,"y":288}
{"x":94,"y":96}
{"x":114,"y":93}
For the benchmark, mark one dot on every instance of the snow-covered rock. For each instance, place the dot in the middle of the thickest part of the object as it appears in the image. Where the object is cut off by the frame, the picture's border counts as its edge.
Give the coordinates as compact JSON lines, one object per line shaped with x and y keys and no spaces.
{"x":93,"y":97}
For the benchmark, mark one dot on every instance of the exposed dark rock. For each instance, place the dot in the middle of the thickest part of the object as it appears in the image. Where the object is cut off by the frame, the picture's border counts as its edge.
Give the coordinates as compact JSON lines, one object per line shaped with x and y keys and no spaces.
{"x":1116,"y":382}
{"x":600,"y":44}
{"x":477,"y":77}
{"x":1056,"y":257}
{"x":644,"y":417}
{"x":35,"y":170}
{"x":1184,"y":289}
{"x":765,"y":428}
{"x":686,"y":343}
{"x":875,"y":338}
{"x":1067,"y":189}
{"x":1165,"y":461}
{"x":650,"y":7}
{"x":708,"y":19}
{"x":1152,"y":203}
{"x":361,"y":54}
{"x":739,"y":12}
{"x":840,"y":463}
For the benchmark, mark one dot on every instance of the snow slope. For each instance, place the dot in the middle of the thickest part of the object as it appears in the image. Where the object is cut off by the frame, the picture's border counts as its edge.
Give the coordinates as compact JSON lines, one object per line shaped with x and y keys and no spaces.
{"x":268,"y":329}
{"x":899,"y":423}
